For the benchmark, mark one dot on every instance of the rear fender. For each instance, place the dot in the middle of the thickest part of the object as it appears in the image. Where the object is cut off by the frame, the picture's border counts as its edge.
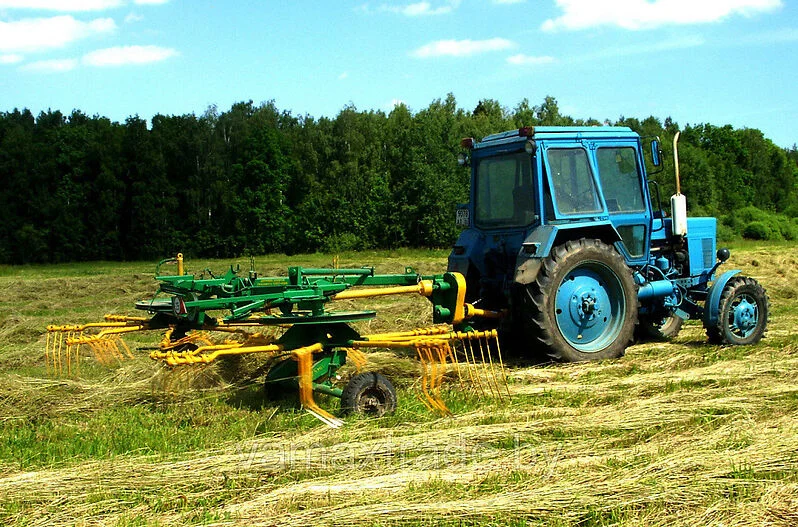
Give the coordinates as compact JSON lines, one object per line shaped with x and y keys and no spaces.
{"x":539,"y":243}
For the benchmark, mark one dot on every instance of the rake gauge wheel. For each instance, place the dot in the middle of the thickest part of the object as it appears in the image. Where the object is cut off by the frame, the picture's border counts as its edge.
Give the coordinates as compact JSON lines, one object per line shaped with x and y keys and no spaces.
{"x":370,"y":394}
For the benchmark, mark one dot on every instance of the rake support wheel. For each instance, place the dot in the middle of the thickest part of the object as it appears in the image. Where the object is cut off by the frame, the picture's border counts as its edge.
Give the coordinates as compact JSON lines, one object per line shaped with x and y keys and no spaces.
{"x":369,"y":394}
{"x":583,"y":304}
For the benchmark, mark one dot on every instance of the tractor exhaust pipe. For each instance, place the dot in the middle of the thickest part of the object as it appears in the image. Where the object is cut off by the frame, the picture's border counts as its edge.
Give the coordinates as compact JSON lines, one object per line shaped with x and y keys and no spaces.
{"x":678,"y":200}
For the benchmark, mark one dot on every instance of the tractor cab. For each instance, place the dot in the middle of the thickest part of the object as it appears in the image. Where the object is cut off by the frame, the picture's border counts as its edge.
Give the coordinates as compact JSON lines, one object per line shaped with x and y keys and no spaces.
{"x":534,"y":188}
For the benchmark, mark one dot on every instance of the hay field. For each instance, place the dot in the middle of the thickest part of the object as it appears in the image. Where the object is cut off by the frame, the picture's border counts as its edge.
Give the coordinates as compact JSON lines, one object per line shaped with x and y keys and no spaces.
{"x":678,"y":433}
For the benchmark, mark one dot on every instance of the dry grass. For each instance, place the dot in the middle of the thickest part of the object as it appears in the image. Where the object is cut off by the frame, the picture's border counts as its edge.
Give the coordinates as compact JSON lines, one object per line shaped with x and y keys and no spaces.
{"x":679,"y":433}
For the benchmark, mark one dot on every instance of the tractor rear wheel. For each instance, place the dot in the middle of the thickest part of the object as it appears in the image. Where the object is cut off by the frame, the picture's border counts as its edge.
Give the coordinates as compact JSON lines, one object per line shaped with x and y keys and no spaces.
{"x":369,"y":394}
{"x":583,"y":304}
{"x":743,"y":312}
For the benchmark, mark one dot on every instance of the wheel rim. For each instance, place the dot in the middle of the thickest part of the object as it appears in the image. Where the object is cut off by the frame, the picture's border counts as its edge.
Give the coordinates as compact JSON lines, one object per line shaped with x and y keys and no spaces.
{"x":743,"y":316}
{"x":371,"y":402}
{"x":590,"y":307}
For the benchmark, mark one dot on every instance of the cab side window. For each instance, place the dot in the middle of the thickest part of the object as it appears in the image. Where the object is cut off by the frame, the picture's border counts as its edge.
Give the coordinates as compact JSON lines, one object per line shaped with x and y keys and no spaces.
{"x":620,"y":180}
{"x":574,"y":190}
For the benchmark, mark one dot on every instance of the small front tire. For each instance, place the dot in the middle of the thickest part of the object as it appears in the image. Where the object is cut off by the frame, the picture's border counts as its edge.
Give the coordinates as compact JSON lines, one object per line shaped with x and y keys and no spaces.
{"x":743,"y":312}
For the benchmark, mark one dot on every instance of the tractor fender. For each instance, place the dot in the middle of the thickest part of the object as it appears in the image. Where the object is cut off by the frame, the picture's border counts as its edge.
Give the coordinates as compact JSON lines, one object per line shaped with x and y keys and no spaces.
{"x":536,"y":246}
{"x":712,"y":307}
{"x":539,"y":243}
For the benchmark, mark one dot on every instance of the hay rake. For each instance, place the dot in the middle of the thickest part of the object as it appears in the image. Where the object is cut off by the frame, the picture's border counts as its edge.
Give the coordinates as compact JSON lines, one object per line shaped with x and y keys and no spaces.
{"x":286,"y":320}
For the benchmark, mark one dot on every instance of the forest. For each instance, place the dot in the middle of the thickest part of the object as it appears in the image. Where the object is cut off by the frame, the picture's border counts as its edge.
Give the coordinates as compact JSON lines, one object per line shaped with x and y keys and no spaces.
{"x":256,"y":179}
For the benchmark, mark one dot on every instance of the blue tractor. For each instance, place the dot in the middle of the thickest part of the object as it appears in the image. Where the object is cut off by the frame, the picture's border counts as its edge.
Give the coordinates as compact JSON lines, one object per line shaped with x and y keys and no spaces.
{"x":563,"y":236}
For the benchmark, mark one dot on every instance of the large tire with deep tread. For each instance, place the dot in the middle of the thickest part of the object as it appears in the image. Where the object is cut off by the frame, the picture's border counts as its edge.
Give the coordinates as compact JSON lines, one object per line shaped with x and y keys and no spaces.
{"x":743,"y":313}
{"x":369,"y":394}
{"x":583,"y":304}
{"x":659,"y":330}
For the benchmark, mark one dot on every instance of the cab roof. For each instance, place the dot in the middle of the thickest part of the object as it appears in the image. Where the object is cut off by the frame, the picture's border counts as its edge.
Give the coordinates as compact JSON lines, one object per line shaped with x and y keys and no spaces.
{"x":558,"y":133}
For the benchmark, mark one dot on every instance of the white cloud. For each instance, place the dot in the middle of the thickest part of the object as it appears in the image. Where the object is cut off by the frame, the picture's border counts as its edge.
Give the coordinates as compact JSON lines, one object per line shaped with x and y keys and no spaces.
{"x":646,"y":14}
{"x":424,"y":8}
{"x":461,"y":48}
{"x":151,"y":2}
{"x":51,"y":66}
{"x":615,"y":52}
{"x":529,"y":60}
{"x":133,"y":17}
{"x":61,"y":5}
{"x":119,"y":56}
{"x":36,"y":34}
{"x":11,"y":59}
{"x":343,"y":75}
{"x":778,"y":36}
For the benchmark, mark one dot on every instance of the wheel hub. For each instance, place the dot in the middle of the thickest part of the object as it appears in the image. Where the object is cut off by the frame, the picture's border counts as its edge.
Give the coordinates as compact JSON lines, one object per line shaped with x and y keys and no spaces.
{"x":584,"y":308}
{"x":745,"y":317}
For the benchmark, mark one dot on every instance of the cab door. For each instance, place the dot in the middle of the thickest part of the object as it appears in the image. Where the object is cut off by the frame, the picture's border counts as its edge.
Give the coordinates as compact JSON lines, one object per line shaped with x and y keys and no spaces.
{"x":622,"y":185}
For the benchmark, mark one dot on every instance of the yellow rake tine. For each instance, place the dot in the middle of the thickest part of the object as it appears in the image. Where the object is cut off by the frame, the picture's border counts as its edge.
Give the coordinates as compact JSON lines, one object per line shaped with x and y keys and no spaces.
{"x":435,"y":381}
{"x":432,"y":375}
{"x":357,"y":357}
{"x":456,"y":363}
{"x":58,"y":353}
{"x":473,"y":366}
{"x":501,"y":363}
{"x":47,"y":352}
{"x":484,"y":363}
{"x":77,"y":359}
{"x":110,"y":349}
{"x":125,"y":347}
{"x":428,"y":401}
{"x":469,"y":365}
{"x":304,"y":359}
{"x":68,"y":355}
{"x":441,"y":350}
{"x":99,"y":353}
{"x":492,"y":370}
{"x":108,"y":352}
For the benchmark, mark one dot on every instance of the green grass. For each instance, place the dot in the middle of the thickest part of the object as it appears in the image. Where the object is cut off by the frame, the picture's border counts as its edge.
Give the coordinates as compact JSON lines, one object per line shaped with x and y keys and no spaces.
{"x":677,"y":433}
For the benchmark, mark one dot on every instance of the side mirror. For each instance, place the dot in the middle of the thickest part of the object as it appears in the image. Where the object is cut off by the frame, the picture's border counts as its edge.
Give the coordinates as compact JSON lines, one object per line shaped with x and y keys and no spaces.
{"x":656,"y":153}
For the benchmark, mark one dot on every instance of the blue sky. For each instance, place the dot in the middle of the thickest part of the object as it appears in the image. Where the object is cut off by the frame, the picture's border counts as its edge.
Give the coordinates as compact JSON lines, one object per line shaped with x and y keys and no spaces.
{"x":717,"y":61}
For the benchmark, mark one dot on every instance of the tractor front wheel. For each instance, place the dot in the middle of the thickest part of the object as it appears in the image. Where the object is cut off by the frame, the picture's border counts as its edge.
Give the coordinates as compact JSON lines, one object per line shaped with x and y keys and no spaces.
{"x":742,"y":313}
{"x":369,"y":394}
{"x":583,"y":304}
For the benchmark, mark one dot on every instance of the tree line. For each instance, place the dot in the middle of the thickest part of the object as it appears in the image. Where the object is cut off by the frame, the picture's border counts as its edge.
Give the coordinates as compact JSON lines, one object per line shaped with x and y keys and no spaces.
{"x":256,"y":179}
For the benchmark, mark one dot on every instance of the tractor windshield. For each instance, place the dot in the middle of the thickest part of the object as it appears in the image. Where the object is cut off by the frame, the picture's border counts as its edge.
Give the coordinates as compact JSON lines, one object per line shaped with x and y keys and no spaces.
{"x":504,"y":193}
